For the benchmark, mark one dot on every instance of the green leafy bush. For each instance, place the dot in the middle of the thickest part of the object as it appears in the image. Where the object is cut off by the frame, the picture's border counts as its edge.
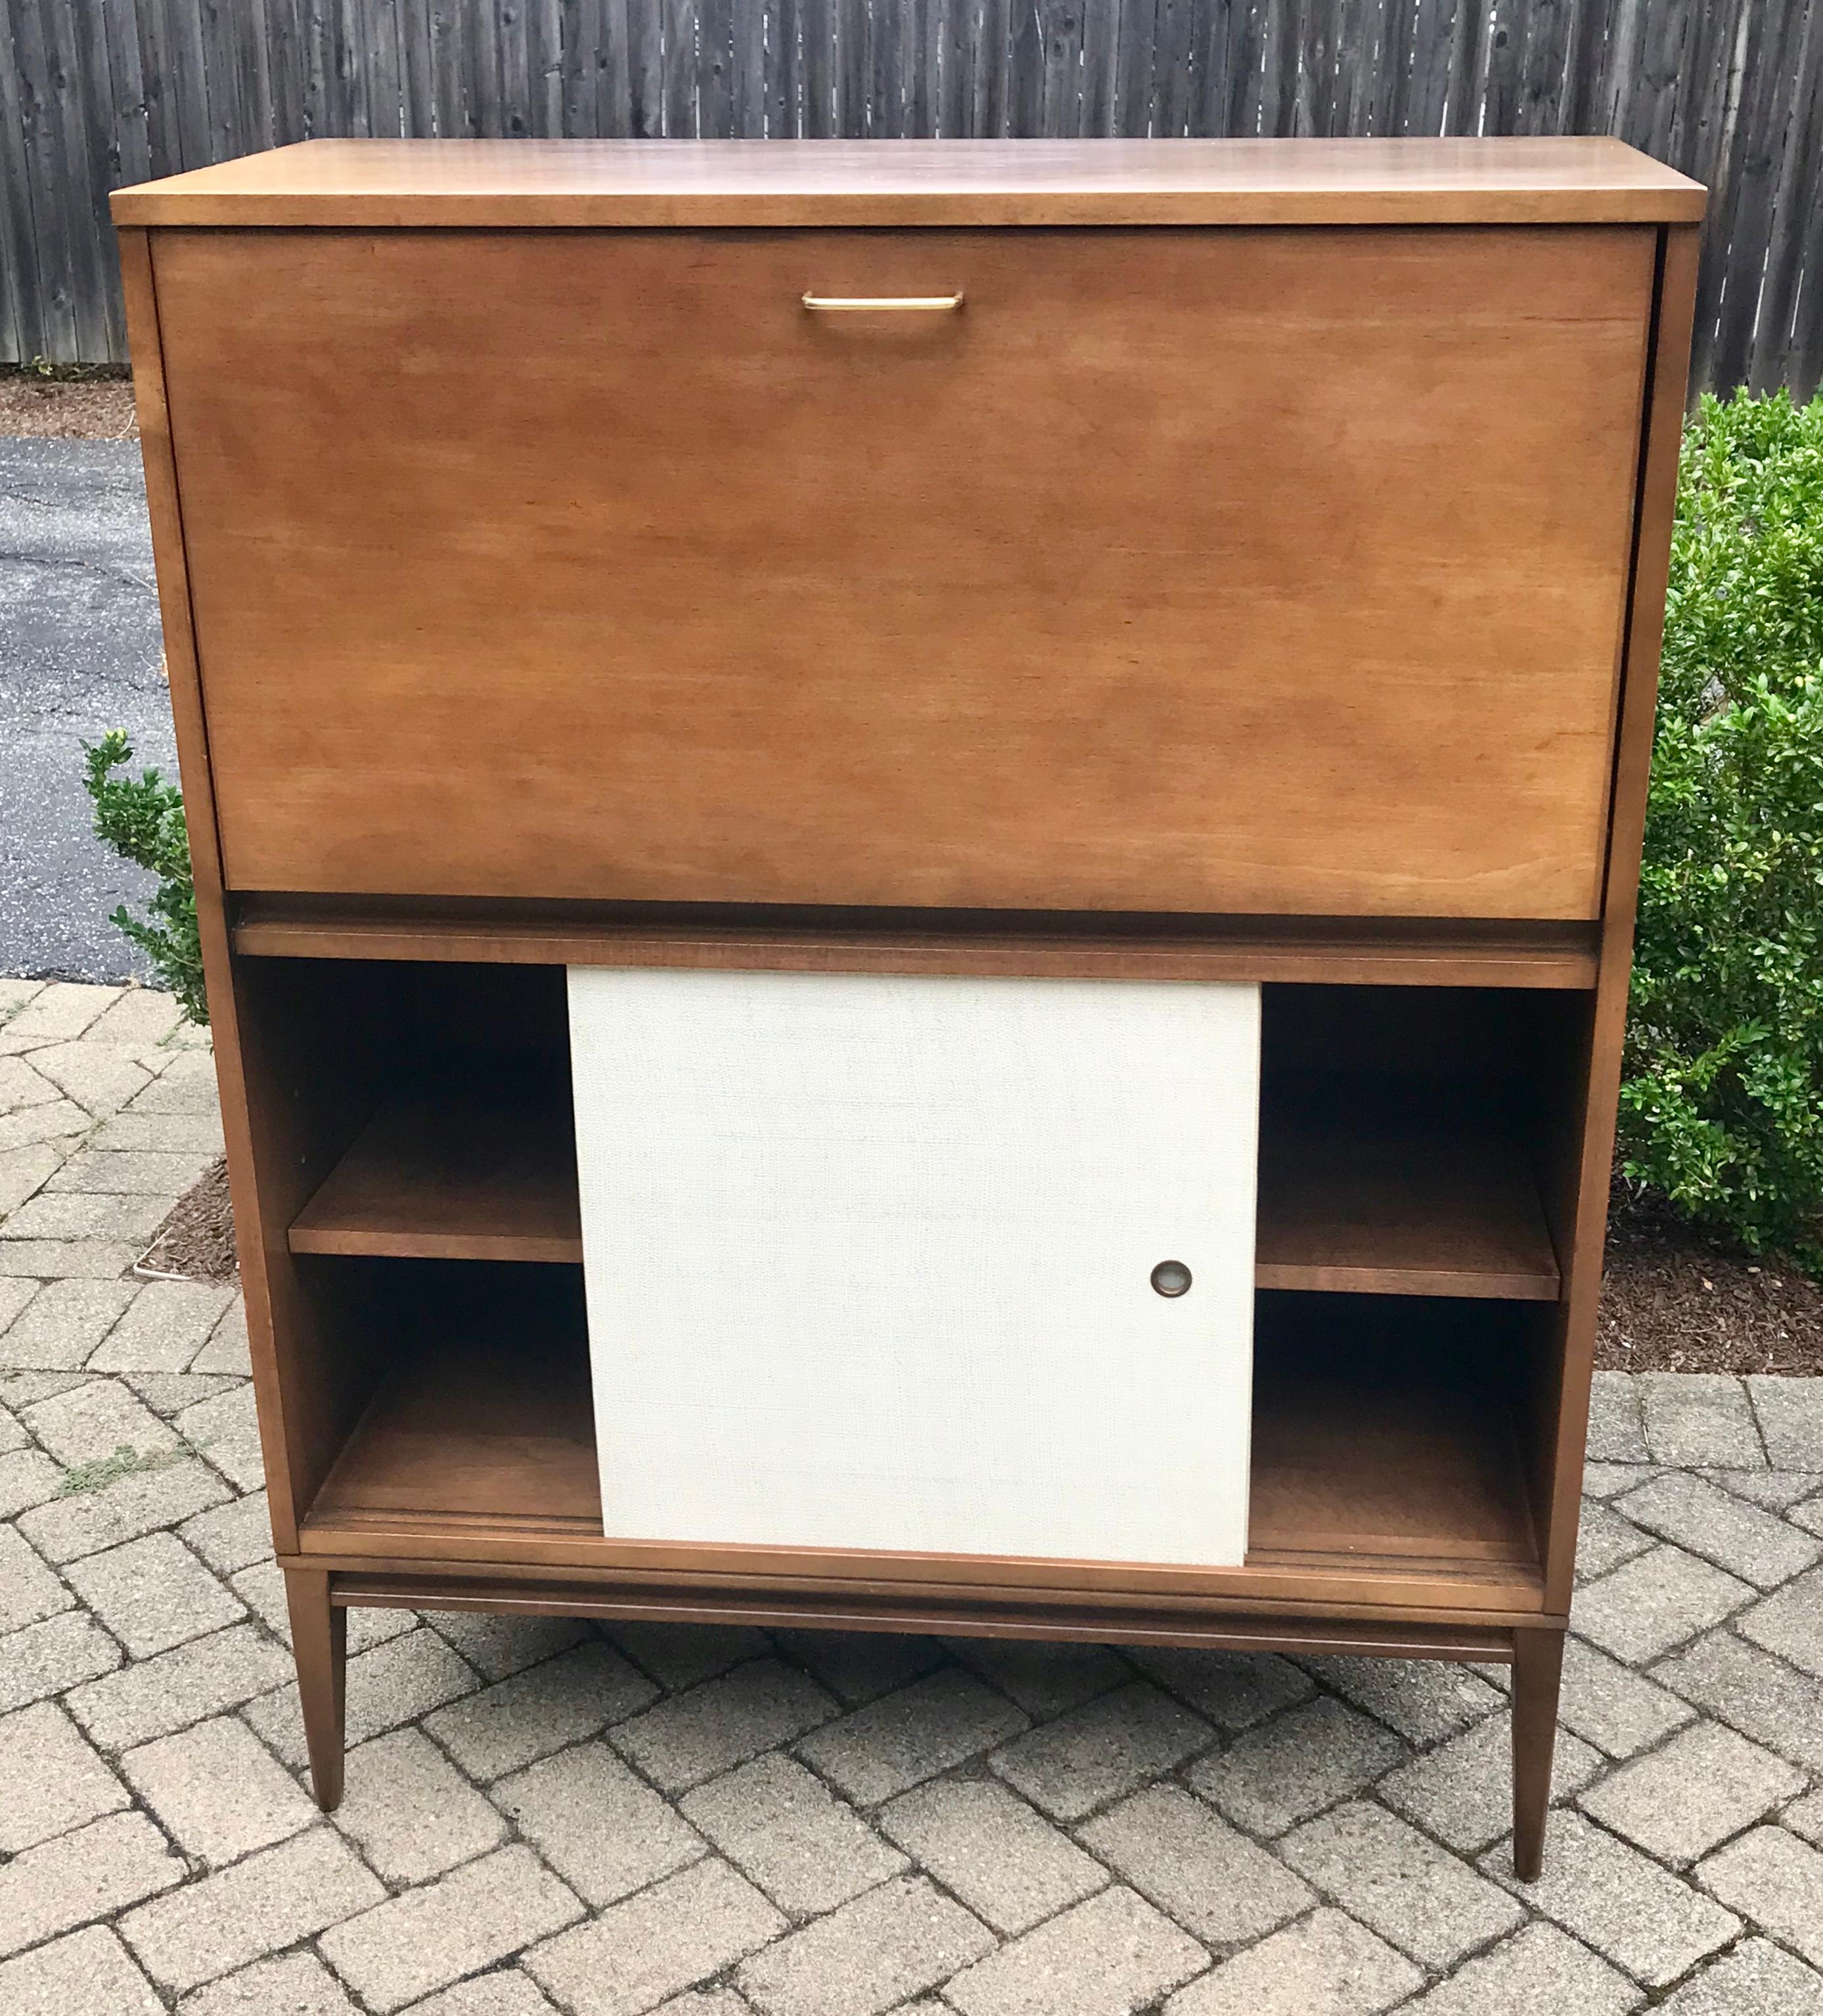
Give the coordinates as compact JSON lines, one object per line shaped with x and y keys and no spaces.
{"x":1722,"y":1103}
{"x":142,"y":820}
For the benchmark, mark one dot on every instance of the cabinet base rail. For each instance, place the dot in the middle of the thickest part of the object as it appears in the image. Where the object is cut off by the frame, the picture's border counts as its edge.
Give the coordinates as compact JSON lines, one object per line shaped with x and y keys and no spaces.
{"x":320,"y":1599}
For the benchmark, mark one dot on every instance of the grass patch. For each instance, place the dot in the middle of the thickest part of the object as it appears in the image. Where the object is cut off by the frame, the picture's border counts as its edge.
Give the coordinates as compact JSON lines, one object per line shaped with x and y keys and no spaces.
{"x":100,"y":1471}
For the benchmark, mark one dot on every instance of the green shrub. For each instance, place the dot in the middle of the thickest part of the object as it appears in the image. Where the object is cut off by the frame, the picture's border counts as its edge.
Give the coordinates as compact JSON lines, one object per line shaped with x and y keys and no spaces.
{"x":142,"y":820}
{"x":1722,"y":1102}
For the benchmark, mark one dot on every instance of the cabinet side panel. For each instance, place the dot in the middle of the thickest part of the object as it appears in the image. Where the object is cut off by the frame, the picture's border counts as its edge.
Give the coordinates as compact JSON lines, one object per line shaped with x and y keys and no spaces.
{"x":162,"y":497}
{"x":266,"y":1128}
{"x":1658,"y":500}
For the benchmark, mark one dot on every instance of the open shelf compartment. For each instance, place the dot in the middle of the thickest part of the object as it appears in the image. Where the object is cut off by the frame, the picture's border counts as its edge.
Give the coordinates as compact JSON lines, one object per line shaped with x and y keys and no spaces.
{"x":1401,"y":1151}
{"x":474,"y":1175}
{"x":1394,"y":1153}
{"x":1389,"y":1435}
{"x":1393,"y":1428}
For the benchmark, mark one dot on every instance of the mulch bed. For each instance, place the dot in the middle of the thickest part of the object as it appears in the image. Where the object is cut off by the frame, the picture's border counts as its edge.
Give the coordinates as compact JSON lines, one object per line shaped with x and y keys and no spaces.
{"x":196,"y":1240}
{"x":1676,"y":1300}
{"x":80,"y":409}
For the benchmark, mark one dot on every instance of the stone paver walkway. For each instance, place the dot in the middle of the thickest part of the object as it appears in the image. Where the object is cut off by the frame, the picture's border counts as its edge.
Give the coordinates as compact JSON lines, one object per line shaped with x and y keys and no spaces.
{"x":542,"y":1815}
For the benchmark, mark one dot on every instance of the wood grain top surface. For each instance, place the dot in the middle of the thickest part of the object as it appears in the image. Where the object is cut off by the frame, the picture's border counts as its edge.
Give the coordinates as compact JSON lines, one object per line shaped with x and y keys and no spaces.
{"x":683,"y":183}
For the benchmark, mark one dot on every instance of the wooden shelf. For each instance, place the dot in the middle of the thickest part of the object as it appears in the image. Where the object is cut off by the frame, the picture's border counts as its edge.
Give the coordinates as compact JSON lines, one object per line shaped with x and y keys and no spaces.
{"x":1408,"y":1213}
{"x":430,"y":1180}
{"x":1365,"y":1208}
{"x":1369,"y":1459}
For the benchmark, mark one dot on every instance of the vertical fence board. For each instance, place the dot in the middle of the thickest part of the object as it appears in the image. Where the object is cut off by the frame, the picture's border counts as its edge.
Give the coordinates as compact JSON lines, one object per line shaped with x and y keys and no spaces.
{"x":1100,"y":43}
{"x":418,"y":100}
{"x":481,"y":68}
{"x":1775,"y":359}
{"x":1748,"y":222}
{"x":922,"y":18}
{"x":748,"y":75}
{"x":283,"y":35}
{"x":1025,"y":68}
{"x":850,"y":53}
{"x":1421,"y":91}
{"x":993,"y":43}
{"x":1227,"y":54}
{"x":880,"y":30}
{"x":357,"y":29}
{"x":228,"y":117}
{"x":1362,"y":76}
{"x":1274,"y":110}
{"x":156,"y":68}
{"x":614,"y":113}
{"x":512,"y":59}
{"x":955,"y":68}
{"x":644,"y":68}
{"x":714,"y":57}
{"x":1060,"y":55}
{"x":46,"y":186}
{"x":817,"y":91}
{"x":1133,"y":61}
{"x":545,"y":54}
{"x":124,"y":133}
{"x":78,"y":107}
{"x":1173,"y":81}
{"x":582,"y":45}
{"x":21,"y":293}
{"x":386,"y":91}
{"x":1713,"y":145}
{"x":677,"y":20}
{"x":188,"y":82}
{"x":1588,"y":98}
{"x":129,"y":135}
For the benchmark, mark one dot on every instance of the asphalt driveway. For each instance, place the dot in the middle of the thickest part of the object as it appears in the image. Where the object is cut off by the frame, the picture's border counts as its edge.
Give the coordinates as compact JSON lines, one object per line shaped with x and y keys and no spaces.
{"x":79,"y":654}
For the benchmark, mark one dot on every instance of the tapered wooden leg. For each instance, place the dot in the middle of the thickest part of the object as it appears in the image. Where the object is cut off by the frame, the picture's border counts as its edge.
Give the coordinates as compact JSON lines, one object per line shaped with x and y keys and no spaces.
{"x":1538,"y":1673}
{"x":319,"y":1639}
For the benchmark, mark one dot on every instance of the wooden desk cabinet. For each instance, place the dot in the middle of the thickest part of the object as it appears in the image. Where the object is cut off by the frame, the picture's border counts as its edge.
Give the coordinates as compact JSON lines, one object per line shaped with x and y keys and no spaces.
{"x":921,"y":594}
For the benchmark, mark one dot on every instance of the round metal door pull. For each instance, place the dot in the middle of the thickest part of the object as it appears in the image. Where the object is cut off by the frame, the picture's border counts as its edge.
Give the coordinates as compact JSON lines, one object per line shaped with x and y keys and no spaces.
{"x":1171,"y":1277}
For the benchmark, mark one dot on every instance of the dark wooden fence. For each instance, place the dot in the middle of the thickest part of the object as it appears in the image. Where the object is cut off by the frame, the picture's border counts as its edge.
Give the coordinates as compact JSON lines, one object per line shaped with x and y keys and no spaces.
{"x":94,"y":93}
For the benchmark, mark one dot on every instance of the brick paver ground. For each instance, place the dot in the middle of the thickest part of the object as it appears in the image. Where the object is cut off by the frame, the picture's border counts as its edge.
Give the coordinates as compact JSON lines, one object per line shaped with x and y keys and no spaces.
{"x":541,"y":1816}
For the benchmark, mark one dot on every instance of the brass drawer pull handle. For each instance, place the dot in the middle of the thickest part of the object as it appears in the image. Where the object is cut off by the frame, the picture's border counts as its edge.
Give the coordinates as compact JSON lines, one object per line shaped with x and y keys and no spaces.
{"x":880,"y":303}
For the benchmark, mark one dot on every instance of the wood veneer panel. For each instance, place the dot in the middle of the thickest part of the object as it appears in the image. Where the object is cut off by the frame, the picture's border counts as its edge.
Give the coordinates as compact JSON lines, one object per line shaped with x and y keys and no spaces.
{"x":544,"y":183}
{"x":452,"y":1180}
{"x":931,"y":640}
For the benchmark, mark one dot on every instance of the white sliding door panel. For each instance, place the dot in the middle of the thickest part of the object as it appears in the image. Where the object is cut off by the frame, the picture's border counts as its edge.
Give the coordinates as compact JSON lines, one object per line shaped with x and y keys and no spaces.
{"x":868,"y":1260}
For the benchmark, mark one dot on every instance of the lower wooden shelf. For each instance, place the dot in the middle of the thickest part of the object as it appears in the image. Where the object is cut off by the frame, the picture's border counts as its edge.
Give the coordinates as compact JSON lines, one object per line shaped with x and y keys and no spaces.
{"x":1372,"y":1460}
